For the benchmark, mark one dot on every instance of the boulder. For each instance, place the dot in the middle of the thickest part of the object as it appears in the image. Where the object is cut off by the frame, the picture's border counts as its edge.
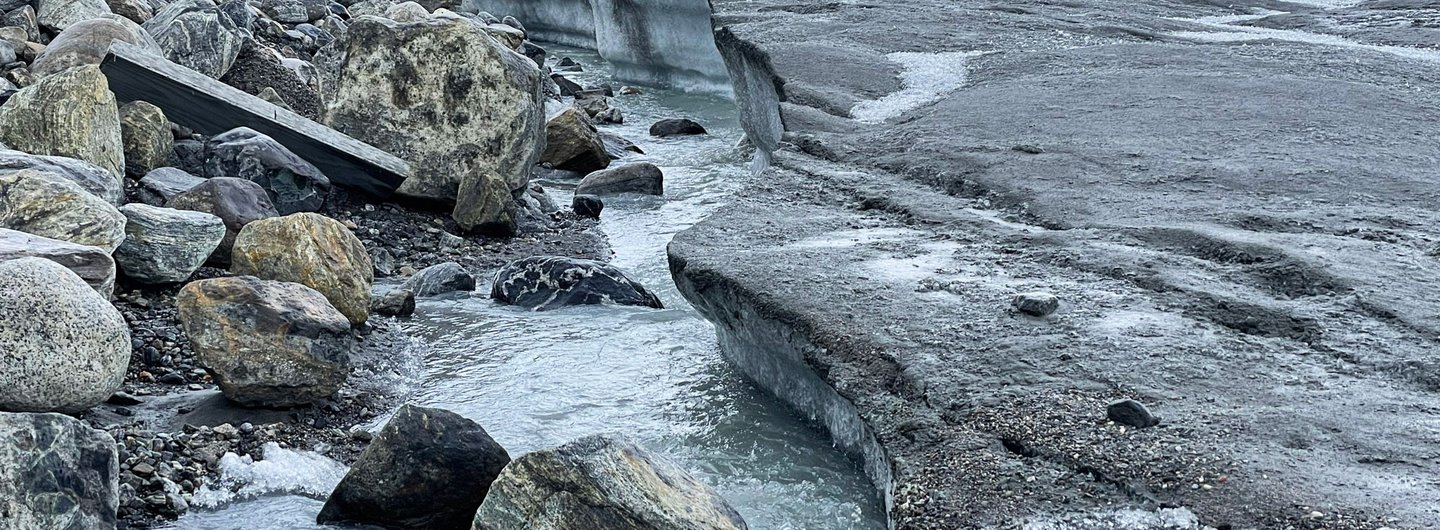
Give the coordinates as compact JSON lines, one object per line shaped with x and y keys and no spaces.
{"x":601,"y":482}
{"x":552,"y":282}
{"x":145,"y":135}
{"x":428,"y":469}
{"x":196,"y":34}
{"x":1036,"y":304}
{"x":24,"y":18}
{"x":587,"y":206}
{"x":568,"y":88}
{"x":94,"y":179}
{"x":484,"y":204}
{"x":309,"y":249}
{"x":593,"y":102}
{"x":46,"y":204}
{"x":258,"y":68}
{"x":57,"y":472}
{"x":293,"y":184}
{"x":137,"y":11}
{"x":676,"y":127}
{"x":618,"y":146}
{"x":295,"y":11}
{"x":161,"y":184}
{"x":642,"y":177}
{"x":70,"y":113}
{"x":395,"y":303}
{"x":407,"y":12}
{"x":87,"y":42}
{"x":1130,"y":412}
{"x":440,"y":93}
{"x":92,"y":264}
{"x":165,"y":245}
{"x":56,"y":15}
{"x":66,"y":348}
{"x":268,"y":344}
{"x":572,"y":143}
{"x":237,"y":202}
{"x":439,"y":279}
{"x":188,"y":155}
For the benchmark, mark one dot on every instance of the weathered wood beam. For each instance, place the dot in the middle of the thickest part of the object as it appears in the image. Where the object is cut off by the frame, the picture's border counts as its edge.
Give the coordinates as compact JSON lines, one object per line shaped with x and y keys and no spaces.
{"x":211,"y":107}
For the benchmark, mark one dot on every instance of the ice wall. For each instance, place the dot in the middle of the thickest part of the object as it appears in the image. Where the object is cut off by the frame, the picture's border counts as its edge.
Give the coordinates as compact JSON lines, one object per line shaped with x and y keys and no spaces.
{"x":660,"y":42}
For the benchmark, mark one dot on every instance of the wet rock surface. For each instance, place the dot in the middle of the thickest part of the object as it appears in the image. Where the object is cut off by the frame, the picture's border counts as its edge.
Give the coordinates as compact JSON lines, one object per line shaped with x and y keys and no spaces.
{"x":641,"y":177}
{"x":439,"y":279}
{"x":1256,"y":298}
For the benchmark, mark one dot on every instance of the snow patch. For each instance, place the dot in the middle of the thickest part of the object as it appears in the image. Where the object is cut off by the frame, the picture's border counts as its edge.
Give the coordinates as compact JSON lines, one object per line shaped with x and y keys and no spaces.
{"x":926,"y":77}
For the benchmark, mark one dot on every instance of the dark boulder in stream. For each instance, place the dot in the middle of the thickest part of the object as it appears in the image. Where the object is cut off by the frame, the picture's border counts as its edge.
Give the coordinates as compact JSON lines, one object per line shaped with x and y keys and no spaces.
{"x":551,"y":282}
{"x":676,"y":127}
{"x":439,"y":279}
{"x":429,"y":469}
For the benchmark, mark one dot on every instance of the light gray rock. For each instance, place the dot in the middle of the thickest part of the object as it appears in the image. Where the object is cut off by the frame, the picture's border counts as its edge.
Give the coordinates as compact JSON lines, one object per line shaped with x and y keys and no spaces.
{"x":439,"y":92}
{"x":197,"y":35}
{"x":407,"y":12}
{"x":269,"y":344}
{"x":56,"y":472}
{"x":428,"y":469}
{"x":293,"y":184}
{"x":552,"y":282}
{"x":86,"y":42}
{"x":66,"y":347}
{"x":161,"y":184}
{"x":25,"y":19}
{"x":484,"y":204}
{"x":92,"y":264}
{"x":137,"y":11}
{"x":94,"y":179}
{"x":641,"y":177}
{"x":165,"y":245}
{"x":237,"y":202}
{"x":56,"y":15}
{"x":439,"y":279}
{"x":145,"y":135}
{"x":313,"y":250}
{"x":52,"y":206}
{"x":70,"y":113}
{"x":601,"y":482}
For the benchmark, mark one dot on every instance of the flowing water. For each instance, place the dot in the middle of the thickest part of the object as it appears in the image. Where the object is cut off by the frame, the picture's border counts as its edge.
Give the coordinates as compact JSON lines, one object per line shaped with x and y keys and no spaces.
{"x":535,"y":380}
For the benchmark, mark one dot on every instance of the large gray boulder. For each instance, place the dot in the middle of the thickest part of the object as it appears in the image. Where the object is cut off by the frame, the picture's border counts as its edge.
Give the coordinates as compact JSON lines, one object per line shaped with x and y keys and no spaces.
{"x":641,"y":177}
{"x":146,"y":137}
{"x":92,"y":264}
{"x":94,"y":179}
{"x":198,"y":35}
{"x":313,"y":250}
{"x":57,"y":15}
{"x":66,"y":348}
{"x":428,"y":469}
{"x":601,"y":482}
{"x":438,"y":92}
{"x":46,"y":204}
{"x":160,"y":184}
{"x":165,"y":245}
{"x":237,"y":202}
{"x":268,"y":344}
{"x":439,"y":279}
{"x":552,"y":282}
{"x":87,"y":42}
{"x":293,"y":184}
{"x":70,"y":113}
{"x":56,"y":472}
{"x":572,"y":143}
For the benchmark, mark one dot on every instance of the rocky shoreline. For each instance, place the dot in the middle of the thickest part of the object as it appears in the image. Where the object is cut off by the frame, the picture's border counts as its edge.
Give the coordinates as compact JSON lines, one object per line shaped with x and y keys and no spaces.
{"x":232,"y":297}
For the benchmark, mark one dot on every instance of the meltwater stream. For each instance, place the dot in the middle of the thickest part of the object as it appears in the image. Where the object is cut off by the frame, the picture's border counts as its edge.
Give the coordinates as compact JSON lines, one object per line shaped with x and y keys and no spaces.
{"x":535,"y":380}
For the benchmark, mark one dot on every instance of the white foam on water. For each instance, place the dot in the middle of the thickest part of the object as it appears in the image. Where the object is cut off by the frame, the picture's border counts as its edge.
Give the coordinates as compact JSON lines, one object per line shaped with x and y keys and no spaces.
{"x":926,"y":77}
{"x":1234,"y":33}
{"x":281,"y":471}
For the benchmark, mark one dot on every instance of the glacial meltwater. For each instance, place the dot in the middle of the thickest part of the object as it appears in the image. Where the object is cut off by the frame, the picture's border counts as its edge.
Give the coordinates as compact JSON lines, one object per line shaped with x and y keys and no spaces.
{"x":539,"y":379}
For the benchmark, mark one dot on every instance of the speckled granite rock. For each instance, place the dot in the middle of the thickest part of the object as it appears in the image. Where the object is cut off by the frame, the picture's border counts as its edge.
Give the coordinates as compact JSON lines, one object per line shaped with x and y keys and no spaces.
{"x":94,"y":179}
{"x":552,"y":282}
{"x":268,"y":343}
{"x":70,"y":113}
{"x":439,"y":92}
{"x":601,"y":482}
{"x":46,"y":204}
{"x":92,"y":264}
{"x":237,"y":202}
{"x":67,"y":348}
{"x":309,"y":249}
{"x":57,"y":473}
{"x":428,"y":469}
{"x":165,"y":245}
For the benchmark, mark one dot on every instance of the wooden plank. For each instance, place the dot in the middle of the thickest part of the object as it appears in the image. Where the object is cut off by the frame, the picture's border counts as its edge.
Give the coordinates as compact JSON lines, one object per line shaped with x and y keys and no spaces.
{"x":211,"y":107}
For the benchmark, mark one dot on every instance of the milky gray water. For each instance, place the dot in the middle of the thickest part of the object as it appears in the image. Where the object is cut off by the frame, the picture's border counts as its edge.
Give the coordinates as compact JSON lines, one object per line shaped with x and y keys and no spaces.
{"x":535,"y":380}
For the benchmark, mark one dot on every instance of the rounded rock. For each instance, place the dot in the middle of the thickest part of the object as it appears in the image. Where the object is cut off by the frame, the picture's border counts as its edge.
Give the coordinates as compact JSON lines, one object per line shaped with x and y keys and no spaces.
{"x":312,"y":250}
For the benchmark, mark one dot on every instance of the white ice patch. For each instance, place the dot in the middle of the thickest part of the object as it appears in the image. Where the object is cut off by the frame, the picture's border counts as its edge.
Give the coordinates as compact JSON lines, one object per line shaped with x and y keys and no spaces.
{"x":282,"y":471}
{"x":926,"y":77}
{"x":1234,"y":33}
